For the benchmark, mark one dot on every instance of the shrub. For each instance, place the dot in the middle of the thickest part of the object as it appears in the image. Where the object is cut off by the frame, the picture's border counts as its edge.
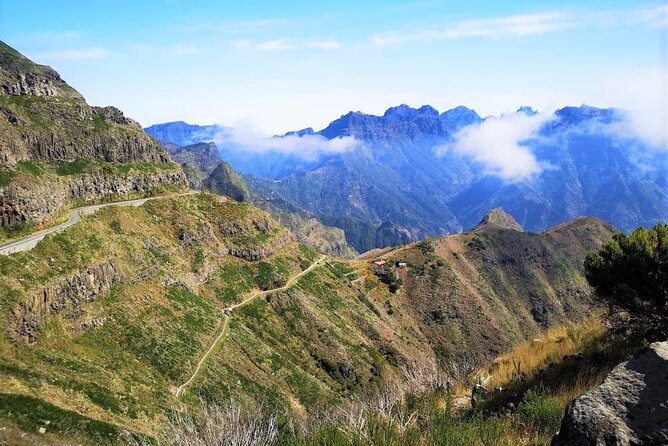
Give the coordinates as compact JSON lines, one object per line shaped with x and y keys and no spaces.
{"x":540,"y":412}
{"x":632,"y":272}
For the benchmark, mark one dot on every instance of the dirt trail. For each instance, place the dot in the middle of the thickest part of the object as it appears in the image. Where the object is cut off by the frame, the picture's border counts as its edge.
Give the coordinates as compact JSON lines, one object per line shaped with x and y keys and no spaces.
{"x":226,"y":314}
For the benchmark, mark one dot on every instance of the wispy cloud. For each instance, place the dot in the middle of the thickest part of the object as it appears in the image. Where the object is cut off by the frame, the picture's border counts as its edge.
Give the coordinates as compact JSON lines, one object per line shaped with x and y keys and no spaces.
{"x":245,"y":137}
{"x":497,"y":144}
{"x":266,"y":46}
{"x":274,"y":45}
{"x":177,"y":49}
{"x":657,"y":16}
{"x":239,"y":27}
{"x":517,"y":25}
{"x":325,"y":45}
{"x":74,"y":54}
{"x":286,"y":45}
{"x":50,"y":36}
{"x":643,"y":93}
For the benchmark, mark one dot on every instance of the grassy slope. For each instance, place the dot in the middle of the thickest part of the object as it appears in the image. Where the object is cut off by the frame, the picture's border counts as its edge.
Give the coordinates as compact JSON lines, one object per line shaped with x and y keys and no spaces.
{"x":336,"y":332}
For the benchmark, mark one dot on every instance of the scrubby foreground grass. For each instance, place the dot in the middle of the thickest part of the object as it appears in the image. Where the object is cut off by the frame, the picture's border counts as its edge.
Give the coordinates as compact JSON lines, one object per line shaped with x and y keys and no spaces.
{"x":534,"y":383}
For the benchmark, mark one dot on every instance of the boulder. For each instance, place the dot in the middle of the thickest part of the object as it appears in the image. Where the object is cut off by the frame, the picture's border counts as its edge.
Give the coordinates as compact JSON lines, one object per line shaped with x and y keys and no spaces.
{"x":629,"y":408}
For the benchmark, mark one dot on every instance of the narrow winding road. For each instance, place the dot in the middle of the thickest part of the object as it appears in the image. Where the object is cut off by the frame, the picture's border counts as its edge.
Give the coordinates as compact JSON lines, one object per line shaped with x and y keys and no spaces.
{"x":226,"y":314}
{"x":75,"y":215}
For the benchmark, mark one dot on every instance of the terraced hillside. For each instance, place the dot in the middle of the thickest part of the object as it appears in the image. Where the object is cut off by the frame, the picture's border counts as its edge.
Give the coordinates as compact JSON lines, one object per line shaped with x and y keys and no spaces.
{"x":103,"y":321}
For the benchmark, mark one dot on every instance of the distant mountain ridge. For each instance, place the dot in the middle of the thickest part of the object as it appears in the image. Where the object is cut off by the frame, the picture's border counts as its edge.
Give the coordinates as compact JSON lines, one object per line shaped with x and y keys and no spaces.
{"x":398,"y":177}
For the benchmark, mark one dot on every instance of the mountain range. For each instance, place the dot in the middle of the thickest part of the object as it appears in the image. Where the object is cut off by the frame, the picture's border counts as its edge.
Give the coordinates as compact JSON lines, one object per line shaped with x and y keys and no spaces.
{"x":401,"y":182}
{"x":129,"y":319}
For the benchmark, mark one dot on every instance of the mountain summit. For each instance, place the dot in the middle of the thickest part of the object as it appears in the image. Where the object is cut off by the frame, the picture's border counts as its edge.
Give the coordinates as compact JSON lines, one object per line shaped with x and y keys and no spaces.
{"x":499,"y":218}
{"x":56,"y":149}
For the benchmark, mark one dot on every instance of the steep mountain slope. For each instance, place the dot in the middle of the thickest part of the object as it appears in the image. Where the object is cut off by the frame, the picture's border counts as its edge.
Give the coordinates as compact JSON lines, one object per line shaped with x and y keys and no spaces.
{"x":202,"y":165}
{"x":223,"y":180}
{"x":56,"y":149}
{"x":399,"y":176}
{"x":307,"y":229}
{"x":106,"y":319}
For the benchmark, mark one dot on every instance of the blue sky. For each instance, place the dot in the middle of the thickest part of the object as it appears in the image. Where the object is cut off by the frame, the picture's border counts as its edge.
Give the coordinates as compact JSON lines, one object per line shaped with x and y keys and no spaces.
{"x":285,"y":65}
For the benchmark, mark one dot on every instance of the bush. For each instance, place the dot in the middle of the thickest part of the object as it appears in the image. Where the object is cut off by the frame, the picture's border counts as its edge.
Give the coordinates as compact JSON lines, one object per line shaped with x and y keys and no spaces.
{"x":540,"y":412}
{"x":632,"y":272}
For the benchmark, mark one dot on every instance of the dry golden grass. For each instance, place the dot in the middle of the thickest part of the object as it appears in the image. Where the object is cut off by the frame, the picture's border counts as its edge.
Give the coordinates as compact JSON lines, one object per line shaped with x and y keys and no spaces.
{"x":528,"y":358}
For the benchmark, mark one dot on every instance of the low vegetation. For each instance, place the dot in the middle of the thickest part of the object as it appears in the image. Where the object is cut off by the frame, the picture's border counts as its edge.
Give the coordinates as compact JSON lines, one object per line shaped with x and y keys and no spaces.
{"x":632,"y":273}
{"x":425,"y":407}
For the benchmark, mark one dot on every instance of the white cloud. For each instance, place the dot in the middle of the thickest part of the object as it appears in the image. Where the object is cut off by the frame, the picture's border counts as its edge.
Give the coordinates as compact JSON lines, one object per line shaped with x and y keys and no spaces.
{"x":177,"y":49}
{"x":517,"y":25}
{"x":325,"y":45}
{"x":496,"y":143}
{"x":74,"y":54}
{"x":274,"y":45}
{"x":657,"y":16}
{"x":56,"y":36}
{"x":308,"y":147}
{"x":644,"y":93}
{"x":265,"y":46}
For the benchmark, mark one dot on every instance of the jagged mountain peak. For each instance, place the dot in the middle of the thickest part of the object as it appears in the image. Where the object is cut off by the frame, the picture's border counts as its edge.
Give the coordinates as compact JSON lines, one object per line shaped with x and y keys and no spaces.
{"x":499,"y":218}
{"x":459,"y":117}
{"x":302,"y":132}
{"x":404,"y":111}
{"x":527,"y":110}
{"x":573,"y":114}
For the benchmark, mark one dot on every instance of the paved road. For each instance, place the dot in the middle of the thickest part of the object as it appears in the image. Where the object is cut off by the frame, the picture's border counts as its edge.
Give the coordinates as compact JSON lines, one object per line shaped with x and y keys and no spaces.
{"x":75,"y":215}
{"x":226,"y":315}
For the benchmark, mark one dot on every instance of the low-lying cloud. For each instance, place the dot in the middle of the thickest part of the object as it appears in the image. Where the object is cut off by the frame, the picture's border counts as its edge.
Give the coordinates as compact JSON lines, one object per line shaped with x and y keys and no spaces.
{"x":643,"y":94}
{"x":497,"y":144}
{"x":306,"y":147}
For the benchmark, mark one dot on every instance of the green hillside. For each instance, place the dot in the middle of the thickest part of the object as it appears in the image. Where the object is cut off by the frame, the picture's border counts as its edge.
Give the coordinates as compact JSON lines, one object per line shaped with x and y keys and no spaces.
{"x":108,"y":318}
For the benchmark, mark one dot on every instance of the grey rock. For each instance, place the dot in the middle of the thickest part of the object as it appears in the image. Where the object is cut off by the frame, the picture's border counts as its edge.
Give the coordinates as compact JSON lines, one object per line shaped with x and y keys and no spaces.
{"x":629,"y":408}
{"x":39,"y":199}
{"x":65,"y":297}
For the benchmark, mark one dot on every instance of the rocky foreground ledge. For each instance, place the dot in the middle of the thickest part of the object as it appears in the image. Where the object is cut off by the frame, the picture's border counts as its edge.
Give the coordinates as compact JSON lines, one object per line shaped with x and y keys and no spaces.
{"x":629,"y":408}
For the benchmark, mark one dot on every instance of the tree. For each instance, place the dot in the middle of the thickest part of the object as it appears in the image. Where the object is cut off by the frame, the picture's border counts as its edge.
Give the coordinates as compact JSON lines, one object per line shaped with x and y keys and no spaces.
{"x":632,"y":272}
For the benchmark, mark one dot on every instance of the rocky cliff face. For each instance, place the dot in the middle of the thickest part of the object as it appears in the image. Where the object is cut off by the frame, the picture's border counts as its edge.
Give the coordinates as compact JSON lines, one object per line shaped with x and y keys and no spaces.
{"x":204,"y":156}
{"x":44,"y":119}
{"x":36,"y":200}
{"x":65,"y":297}
{"x":44,"y":122}
{"x":253,"y":237}
{"x":629,"y":408}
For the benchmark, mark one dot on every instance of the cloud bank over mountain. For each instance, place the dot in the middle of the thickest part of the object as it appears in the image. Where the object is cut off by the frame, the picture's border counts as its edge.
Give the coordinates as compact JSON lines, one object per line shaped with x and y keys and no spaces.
{"x":497,"y":144}
{"x":308,"y":147}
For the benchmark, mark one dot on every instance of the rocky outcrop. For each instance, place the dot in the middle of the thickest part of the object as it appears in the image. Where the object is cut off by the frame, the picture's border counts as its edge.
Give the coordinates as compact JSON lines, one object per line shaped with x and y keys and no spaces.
{"x":44,"y":120}
{"x":39,"y":199}
{"x":65,"y":297}
{"x":629,"y":408}
{"x":309,"y":231}
{"x":29,"y":84}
